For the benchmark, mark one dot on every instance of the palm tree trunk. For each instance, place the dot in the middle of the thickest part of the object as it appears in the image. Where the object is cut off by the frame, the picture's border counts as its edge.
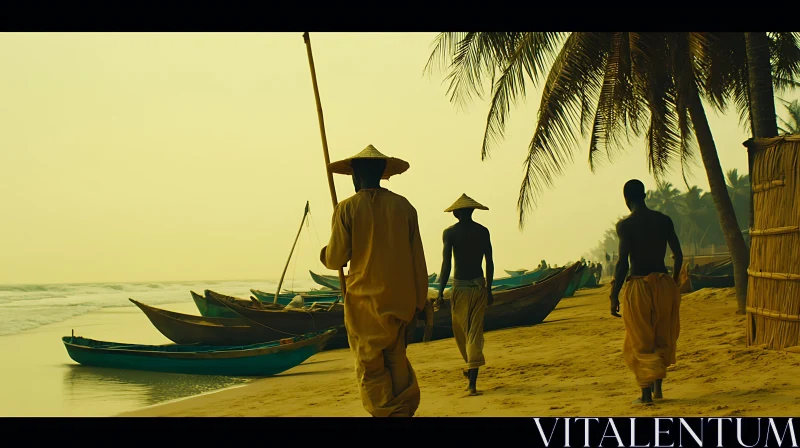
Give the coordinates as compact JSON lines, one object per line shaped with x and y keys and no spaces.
{"x":719,"y":193}
{"x":762,"y":97}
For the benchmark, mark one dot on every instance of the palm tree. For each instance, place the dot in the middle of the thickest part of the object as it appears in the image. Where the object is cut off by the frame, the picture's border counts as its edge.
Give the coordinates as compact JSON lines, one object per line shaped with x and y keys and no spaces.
{"x":762,"y":99}
{"x":604,"y":84}
{"x":665,"y":199}
{"x":793,"y":125}
{"x":696,"y":224}
{"x":739,"y":191}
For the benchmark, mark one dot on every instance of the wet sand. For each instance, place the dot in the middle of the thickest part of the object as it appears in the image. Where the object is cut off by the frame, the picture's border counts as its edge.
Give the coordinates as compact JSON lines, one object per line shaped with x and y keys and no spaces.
{"x":569,"y":365}
{"x":42,"y":381}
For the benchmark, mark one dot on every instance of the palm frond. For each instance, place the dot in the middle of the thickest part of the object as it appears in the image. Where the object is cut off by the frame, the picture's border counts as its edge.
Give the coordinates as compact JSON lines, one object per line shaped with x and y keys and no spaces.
{"x":532,"y":56}
{"x":560,"y":108}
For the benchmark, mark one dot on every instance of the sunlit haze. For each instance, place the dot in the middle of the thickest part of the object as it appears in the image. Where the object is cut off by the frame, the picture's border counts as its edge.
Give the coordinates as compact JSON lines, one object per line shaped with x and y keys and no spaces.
{"x":158,"y":157}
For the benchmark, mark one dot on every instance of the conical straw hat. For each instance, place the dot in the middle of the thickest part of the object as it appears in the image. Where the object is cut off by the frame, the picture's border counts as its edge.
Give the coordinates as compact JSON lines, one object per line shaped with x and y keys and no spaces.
{"x":393,"y":165}
{"x":466,"y":202}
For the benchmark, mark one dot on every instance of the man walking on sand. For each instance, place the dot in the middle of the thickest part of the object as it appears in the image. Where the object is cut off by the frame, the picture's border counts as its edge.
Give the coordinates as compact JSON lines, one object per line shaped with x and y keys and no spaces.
{"x":387,"y":284}
{"x":469,"y":243}
{"x":650,"y":297}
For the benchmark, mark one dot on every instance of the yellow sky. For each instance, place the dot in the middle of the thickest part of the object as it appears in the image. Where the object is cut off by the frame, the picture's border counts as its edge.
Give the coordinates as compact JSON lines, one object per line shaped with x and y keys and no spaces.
{"x":155,"y":157}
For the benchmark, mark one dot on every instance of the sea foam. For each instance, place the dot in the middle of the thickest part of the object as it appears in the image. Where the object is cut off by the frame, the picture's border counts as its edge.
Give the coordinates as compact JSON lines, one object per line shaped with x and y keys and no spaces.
{"x":24,"y":307}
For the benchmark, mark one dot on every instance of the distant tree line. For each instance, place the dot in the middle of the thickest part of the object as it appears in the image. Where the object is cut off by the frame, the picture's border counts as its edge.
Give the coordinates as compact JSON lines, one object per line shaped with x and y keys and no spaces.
{"x":692,"y":212}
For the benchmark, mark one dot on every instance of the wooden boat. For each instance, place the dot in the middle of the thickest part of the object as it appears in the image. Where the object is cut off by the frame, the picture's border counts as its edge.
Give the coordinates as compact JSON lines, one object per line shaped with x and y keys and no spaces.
{"x":514,"y":307}
{"x":591,"y":282}
{"x":326,"y":282}
{"x":198,"y":330}
{"x":573,"y":284}
{"x":520,"y":280}
{"x":584,"y":277}
{"x":287,"y":321}
{"x":209,"y":309}
{"x":312,"y":296}
{"x":332,"y":281}
{"x":711,"y":281}
{"x":516,"y":273}
{"x":266,"y":359}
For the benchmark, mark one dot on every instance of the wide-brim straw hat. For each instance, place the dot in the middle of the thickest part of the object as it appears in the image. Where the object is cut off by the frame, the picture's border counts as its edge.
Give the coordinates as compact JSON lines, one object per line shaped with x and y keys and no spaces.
{"x":466,"y":202}
{"x":394,"y":165}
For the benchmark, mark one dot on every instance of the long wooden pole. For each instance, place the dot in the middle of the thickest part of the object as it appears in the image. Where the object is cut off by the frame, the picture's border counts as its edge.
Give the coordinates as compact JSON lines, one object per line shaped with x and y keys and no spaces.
{"x":280,"y":283}
{"x":332,"y":188}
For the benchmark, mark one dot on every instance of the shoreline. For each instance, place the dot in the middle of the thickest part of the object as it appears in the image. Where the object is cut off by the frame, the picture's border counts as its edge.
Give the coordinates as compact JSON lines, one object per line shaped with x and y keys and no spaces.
{"x":571,"y":364}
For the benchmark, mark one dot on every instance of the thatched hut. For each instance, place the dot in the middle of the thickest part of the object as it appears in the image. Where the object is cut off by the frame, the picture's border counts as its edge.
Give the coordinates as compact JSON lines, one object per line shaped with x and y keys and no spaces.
{"x":773,"y":291}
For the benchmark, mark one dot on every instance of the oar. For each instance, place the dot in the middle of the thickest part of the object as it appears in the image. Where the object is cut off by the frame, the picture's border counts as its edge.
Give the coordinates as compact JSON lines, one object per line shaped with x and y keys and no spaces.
{"x":332,"y":188}
{"x":280,"y":283}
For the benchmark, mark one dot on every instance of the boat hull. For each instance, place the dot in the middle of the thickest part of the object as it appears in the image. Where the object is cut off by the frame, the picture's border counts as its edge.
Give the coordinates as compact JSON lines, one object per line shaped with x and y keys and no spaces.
{"x":711,"y":281}
{"x":573,"y":284}
{"x":196,"y":330}
{"x":287,"y":321}
{"x":255,"y":360}
{"x":522,"y":306}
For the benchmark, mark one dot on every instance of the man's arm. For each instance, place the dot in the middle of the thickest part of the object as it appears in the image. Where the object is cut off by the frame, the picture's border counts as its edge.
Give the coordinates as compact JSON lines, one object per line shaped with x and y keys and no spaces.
{"x":622,"y":264}
{"x":675,"y":247}
{"x":337,"y":253}
{"x":447,"y":258}
{"x":489,"y":267}
{"x":420,"y":268}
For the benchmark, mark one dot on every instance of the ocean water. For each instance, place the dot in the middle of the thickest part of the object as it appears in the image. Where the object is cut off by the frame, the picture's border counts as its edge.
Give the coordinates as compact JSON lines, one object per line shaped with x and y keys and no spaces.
{"x":47,"y":382}
{"x":25,"y":307}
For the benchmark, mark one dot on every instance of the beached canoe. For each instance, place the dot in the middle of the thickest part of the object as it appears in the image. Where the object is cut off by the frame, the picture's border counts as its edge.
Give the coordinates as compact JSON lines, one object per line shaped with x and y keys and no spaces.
{"x":573,"y":284}
{"x":264,"y":359}
{"x":332,"y":281}
{"x":198,"y":330}
{"x":287,"y":321}
{"x":207,"y":309}
{"x":310,"y":296}
{"x":699,"y":282}
{"x":514,"y":307}
{"x":584,"y":277}
{"x":526,"y":278}
{"x":516,"y":273}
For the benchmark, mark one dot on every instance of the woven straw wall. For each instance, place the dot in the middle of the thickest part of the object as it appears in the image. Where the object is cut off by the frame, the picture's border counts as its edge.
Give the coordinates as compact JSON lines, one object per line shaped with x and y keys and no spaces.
{"x":773,"y":291}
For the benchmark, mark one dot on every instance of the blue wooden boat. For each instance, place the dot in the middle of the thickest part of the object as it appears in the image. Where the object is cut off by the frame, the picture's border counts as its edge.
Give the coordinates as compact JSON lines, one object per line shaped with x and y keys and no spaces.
{"x":511,"y":282}
{"x":573,"y":284}
{"x":332,"y":281}
{"x":265,"y":359}
{"x":209,"y":309}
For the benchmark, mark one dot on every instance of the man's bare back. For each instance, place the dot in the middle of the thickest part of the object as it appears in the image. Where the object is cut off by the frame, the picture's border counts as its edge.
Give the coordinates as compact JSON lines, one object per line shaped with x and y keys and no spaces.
{"x":644,"y":236}
{"x":469,"y":242}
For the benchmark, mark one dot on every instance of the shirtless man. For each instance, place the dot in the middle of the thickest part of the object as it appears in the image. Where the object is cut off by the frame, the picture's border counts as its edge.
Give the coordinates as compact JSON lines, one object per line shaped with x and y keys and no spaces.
{"x":469,"y":243}
{"x":650,"y":297}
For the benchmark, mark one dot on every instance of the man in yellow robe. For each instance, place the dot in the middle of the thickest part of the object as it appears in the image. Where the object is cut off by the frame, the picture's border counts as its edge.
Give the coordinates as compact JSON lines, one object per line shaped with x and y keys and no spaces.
{"x":469,"y":243}
{"x":650,"y":297}
{"x":387,"y":284}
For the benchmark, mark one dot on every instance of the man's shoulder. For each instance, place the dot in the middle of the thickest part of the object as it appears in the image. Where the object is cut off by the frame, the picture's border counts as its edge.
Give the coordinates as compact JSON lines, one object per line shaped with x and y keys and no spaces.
{"x":482,"y":227}
{"x":397,"y":197}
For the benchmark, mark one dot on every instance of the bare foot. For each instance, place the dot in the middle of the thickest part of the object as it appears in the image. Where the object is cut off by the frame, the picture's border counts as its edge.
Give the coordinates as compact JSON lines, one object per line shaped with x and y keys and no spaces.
{"x":639,"y":401}
{"x":472,"y":393}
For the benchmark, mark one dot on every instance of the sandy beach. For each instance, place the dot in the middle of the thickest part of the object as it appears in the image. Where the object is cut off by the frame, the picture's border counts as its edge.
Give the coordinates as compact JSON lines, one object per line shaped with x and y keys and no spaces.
{"x":569,"y":365}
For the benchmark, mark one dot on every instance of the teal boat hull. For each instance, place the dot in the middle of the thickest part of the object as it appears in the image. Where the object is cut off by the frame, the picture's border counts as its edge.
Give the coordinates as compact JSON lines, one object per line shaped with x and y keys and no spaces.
{"x":332,"y":282}
{"x":573,"y":284}
{"x":265,"y":359}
